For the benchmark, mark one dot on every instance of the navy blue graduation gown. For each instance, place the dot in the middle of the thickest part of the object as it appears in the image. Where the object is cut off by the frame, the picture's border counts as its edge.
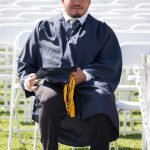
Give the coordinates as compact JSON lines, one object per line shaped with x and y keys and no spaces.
{"x":93,"y":48}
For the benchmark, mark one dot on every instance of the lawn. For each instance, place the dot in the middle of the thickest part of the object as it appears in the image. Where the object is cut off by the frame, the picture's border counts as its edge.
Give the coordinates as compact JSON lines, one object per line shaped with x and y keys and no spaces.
{"x":125,"y":142}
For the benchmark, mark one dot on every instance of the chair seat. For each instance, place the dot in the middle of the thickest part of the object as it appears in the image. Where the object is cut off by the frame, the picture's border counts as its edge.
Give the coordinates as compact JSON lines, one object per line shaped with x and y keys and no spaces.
{"x":127,"y":105}
{"x":127,"y":87}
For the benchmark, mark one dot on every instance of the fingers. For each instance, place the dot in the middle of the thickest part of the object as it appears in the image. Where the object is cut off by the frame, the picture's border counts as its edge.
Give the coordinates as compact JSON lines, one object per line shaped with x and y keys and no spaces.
{"x":34,"y":85}
{"x":32,"y":77}
{"x":79,"y":76}
{"x":34,"y":88}
{"x":31,"y":82}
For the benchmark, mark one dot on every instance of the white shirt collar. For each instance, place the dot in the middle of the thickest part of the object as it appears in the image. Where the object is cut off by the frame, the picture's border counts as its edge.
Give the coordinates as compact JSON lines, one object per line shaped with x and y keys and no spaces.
{"x":81,"y":19}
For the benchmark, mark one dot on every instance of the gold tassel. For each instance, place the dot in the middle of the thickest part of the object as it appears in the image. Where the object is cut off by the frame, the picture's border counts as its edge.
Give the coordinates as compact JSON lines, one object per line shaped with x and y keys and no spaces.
{"x":68,"y":96}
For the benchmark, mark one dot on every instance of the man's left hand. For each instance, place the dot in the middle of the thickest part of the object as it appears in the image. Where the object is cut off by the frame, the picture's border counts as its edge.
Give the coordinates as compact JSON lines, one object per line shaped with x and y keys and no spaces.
{"x":79,"y":76}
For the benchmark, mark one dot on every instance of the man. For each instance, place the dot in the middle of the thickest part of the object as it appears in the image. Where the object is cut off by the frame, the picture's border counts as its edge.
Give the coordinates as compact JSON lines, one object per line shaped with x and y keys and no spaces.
{"x":90,"y":44}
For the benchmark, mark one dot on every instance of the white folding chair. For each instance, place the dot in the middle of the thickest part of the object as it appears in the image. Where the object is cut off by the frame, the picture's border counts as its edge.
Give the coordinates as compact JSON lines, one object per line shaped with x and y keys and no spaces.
{"x":129,"y":52}
{"x":18,"y":44}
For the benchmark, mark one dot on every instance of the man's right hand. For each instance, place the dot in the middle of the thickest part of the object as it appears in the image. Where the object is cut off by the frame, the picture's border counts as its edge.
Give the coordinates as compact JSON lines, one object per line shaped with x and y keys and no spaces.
{"x":31,"y":82}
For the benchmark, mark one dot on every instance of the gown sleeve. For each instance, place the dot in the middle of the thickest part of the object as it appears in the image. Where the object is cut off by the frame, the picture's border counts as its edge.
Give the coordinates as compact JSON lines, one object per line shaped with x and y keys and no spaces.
{"x":29,"y":59}
{"x":108,"y":63}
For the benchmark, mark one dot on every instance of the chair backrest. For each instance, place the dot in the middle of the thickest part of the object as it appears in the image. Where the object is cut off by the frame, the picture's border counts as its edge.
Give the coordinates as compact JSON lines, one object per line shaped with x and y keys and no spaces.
{"x":21,"y":39}
{"x":145,"y":5}
{"x":19,"y":42}
{"x":7,"y":6}
{"x":7,"y":2}
{"x":12,"y":12}
{"x":103,"y":14}
{"x":6,"y":20}
{"x":47,"y":7}
{"x":129,"y":2}
{"x":131,"y":53}
{"x":10,"y":31}
{"x":132,"y":60}
{"x":106,"y":7}
{"x":141,"y":26}
{"x":142,"y":15}
{"x":133,"y":36}
{"x":129,"y":11}
{"x":30,"y":3}
{"x":124,"y":22}
{"x":32,"y":16}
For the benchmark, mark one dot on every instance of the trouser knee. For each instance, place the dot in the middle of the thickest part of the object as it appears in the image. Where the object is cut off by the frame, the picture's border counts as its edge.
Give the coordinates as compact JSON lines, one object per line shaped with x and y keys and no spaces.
{"x":50,"y":96}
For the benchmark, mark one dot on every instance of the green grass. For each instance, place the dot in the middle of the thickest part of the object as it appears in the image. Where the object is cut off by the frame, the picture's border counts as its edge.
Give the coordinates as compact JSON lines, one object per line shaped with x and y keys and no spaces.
{"x":125,"y":142}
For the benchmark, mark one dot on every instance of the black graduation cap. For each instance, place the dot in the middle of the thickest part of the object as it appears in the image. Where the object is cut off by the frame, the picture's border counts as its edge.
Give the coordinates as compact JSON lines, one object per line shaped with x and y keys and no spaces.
{"x":57,"y":74}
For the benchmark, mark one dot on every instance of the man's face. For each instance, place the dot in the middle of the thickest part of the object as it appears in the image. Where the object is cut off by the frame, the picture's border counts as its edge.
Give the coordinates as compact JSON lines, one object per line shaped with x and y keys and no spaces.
{"x":76,"y":8}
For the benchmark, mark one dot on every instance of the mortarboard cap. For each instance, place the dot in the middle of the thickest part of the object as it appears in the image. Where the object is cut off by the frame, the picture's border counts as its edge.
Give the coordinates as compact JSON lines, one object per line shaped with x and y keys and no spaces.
{"x":56,"y":75}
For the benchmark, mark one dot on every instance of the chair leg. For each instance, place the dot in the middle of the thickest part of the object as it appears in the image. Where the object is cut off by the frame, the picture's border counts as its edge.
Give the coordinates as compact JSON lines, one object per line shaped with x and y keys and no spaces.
{"x":10,"y":127}
{"x":116,"y":145}
{"x":12,"y":108}
{"x":17,"y":127}
{"x":124,"y":123}
{"x":132,"y":121}
{"x":25,"y":110}
{"x":5,"y":95}
{"x":144,"y":140}
{"x":35,"y":136}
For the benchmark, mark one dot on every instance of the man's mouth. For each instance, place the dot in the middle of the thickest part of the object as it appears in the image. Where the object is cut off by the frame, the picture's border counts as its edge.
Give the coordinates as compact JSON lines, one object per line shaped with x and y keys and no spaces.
{"x":76,"y":7}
